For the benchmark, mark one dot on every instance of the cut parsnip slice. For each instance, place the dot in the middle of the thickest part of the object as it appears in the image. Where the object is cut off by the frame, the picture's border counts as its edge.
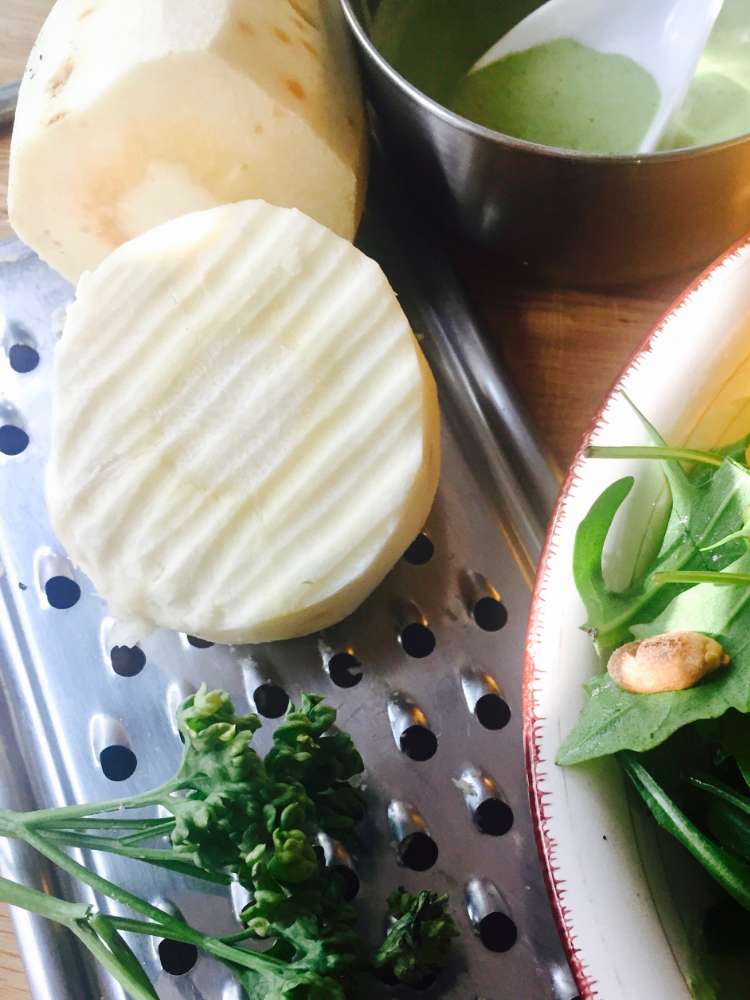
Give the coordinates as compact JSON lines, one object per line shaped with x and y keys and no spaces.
{"x":133,"y":112}
{"x":246,"y":432}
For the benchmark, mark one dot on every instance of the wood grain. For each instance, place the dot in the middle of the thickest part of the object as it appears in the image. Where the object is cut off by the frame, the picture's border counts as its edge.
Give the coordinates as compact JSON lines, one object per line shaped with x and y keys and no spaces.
{"x":20,"y":21}
{"x":563,"y":347}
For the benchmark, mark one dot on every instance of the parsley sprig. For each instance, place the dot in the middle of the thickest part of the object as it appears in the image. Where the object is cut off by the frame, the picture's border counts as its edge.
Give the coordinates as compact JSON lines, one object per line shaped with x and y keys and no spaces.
{"x":234,"y":816}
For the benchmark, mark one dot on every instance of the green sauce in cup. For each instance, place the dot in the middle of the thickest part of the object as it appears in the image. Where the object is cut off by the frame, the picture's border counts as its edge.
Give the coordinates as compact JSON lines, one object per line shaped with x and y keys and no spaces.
{"x":562,"y":94}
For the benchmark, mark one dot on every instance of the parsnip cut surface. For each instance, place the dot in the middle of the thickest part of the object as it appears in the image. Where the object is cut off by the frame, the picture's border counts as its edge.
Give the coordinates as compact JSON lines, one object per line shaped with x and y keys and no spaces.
{"x":246,"y":433}
{"x":133,"y":112}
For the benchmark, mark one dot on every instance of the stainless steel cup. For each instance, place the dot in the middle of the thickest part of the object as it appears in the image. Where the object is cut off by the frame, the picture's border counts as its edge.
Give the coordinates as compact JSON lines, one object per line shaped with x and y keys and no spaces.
{"x":573,"y":217}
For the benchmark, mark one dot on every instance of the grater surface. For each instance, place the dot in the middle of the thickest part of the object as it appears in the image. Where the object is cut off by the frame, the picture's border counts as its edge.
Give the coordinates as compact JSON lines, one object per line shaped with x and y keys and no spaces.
{"x":65,"y":699}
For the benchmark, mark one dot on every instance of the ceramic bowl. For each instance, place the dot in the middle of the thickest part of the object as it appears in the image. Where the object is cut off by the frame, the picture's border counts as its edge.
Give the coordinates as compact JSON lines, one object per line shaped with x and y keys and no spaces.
{"x":619,"y":891}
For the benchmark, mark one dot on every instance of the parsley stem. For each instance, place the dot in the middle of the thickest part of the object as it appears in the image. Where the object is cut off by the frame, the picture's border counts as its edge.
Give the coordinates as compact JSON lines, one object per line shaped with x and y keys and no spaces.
{"x":155,"y":856}
{"x":140,"y":825}
{"x":112,"y":952}
{"x":159,"y":828}
{"x":180,"y":931}
{"x":652,"y":451}
{"x":58,"y":857}
{"x":60,"y":814}
{"x":40,"y":903}
{"x":136,"y":986}
{"x":237,"y":938}
{"x":703,"y":576}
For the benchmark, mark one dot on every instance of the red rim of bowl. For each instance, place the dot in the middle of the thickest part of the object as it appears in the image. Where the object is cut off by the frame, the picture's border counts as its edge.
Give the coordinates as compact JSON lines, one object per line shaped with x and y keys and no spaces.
{"x":535,"y":764}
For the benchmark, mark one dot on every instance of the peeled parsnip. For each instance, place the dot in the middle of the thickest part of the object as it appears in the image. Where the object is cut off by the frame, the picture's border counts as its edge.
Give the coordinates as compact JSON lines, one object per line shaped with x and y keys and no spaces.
{"x":133,"y":112}
{"x":245,"y":433}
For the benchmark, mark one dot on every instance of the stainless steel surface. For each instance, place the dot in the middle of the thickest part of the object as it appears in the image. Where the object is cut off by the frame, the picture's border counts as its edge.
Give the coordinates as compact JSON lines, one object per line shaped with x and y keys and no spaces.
{"x":571,"y":216}
{"x":67,"y":697}
{"x":483,"y":405}
{"x":8,"y":99}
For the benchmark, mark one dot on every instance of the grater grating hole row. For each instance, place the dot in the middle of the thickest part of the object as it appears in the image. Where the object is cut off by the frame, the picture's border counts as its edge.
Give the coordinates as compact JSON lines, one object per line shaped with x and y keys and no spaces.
{"x":492,"y":711}
{"x":62,"y":592}
{"x":421,"y":550}
{"x":23,"y":358}
{"x":270,"y":700}
{"x":497,"y":932}
{"x":418,"y":851}
{"x":493,"y":817}
{"x":13,"y":440}
{"x":198,"y":643}
{"x":411,"y":728}
{"x":118,"y":762}
{"x":176,"y":957}
{"x":21,"y":348}
{"x":484,"y":699}
{"x":344,"y":669}
{"x":127,"y":661}
{"x":417,"y":640}
{"x":418,"y":743}
{"x":55,"y":580}
{"x":490,"y":614}
{"x":488,"y":915}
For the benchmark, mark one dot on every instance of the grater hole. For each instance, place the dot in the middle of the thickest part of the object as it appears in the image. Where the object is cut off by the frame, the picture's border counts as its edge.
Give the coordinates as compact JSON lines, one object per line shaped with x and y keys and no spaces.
{"x":127,"y":661}
{"x":13,"y":440}
{"x":418,"y":851}
{"x":198,"y":643}
{"x":490,"y":614}
{"x":497,"y":932}
{"x":418,"y":743}
{"x":62,"y":592}
{"x":417,"y":640}
{"x":118,"y":762}
{"x":494,"y":817}
{"x":271,"y":701}
{"x":23,"y":358}
{"x":420,"y":551}
{"x":345,"y":670}
{"x":176,"y":957}
{"x":348,"y":880}
{"x":492,"y":711}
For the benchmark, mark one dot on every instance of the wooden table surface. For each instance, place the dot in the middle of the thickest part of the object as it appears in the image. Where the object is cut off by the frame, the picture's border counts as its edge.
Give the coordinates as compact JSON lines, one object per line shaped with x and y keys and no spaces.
{"x":563,"y":347}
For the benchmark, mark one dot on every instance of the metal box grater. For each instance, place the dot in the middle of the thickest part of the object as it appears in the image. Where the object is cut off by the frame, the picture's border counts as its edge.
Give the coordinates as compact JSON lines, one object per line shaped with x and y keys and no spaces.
{"x":440,"y":733}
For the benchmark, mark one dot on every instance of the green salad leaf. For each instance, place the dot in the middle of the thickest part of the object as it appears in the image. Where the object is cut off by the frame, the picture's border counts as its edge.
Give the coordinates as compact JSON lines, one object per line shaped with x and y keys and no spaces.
{"x":703,"y":513}
{"x":614,"y":720}
{"x":735,"y":738}
{"x":708,"y":510}
{"x":730,"y":871}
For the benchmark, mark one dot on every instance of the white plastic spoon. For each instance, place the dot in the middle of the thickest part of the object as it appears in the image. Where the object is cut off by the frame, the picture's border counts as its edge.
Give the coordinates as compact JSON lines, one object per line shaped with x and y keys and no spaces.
{"x":665,"y":37}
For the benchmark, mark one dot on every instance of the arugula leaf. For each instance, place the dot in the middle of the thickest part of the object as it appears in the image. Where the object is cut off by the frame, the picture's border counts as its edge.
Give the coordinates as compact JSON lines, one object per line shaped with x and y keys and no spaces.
{"x":614,"y":720}
{"x":730,"y":828}
{"x":591,"y":537}
{"x":702,"y":513}
{"x":735,"y":740}
{"x":729,"y":871}
{"x":735,"y":449}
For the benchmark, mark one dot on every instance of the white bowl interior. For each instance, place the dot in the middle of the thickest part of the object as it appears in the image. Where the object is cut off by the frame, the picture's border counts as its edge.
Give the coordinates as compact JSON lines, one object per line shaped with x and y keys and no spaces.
{"x":613,"y":897}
